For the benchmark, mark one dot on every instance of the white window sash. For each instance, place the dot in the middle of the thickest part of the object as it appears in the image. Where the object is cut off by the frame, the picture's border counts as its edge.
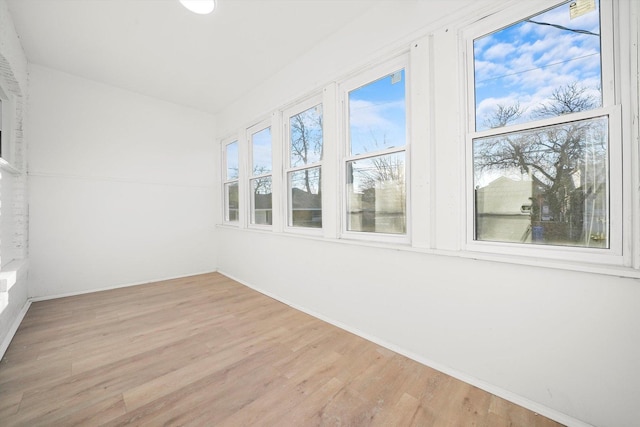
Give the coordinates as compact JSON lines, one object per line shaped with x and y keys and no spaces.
{"x":614,"y":255}
{"x":372,"y":74}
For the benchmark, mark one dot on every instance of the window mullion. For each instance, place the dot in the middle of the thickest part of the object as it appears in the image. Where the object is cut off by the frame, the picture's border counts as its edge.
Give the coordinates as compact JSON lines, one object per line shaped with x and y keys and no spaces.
{"x":376,"y":154}
{"x":573,"y":117}
{"x":303,"y":167}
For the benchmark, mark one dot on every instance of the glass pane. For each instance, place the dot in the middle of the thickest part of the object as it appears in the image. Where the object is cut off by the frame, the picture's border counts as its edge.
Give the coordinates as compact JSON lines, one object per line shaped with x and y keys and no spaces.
{"x":544,"y":186}
{"x":1,"y":151}
{"x":376,"y":194}
{"x":261,"y":204}
{"x":232,"y":160}
{"x":261,"y":143}
{"x":377,"y":115}
{"x":543,"y":66}
{"x":231,"y":201}
{"x":305,"y":208}
{"x":306,"y":137}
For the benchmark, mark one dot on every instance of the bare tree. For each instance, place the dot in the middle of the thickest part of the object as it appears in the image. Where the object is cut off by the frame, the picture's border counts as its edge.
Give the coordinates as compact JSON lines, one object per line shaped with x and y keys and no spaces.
{"x":504,"y":115}
{"x":559,"y":159}
{"x":567,"y":99}
{"x":387,"y":168}
{"x":306,"y":141}
{"x":261,"y":185}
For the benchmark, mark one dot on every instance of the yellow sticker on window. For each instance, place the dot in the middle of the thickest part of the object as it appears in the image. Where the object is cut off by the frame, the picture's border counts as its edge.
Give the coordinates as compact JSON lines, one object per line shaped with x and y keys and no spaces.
{"x":581,"y":7}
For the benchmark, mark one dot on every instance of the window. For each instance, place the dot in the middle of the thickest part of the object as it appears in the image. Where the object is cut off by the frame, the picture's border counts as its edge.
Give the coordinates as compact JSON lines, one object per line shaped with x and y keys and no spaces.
{"x":375,"y":158}
{"x":260,"y":181}
{"x":231,"y":171}
{"x":7,"y":107}
{"x":304,"y":179}
{"x":543,"y":159}
{"x":1,"y":118}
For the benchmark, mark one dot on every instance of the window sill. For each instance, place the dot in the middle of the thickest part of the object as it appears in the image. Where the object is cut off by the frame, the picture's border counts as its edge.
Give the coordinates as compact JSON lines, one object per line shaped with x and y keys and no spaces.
{"x":578,"y":266}
{"x":8,"y":167}
{"x":10,"y":273}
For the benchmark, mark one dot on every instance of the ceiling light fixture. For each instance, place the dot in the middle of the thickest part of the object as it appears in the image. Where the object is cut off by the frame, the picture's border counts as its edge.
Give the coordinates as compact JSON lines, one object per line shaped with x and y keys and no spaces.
{"x":201,"y":7}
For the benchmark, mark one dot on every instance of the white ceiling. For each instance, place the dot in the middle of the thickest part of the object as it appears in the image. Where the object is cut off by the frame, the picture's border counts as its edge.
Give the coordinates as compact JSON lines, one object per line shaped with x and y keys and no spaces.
{"x":158,"y":48}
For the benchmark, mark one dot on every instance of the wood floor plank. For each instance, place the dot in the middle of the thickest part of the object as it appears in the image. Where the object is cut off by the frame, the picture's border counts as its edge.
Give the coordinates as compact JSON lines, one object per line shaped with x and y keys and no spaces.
{"x":9,"y":403}
{"x":205,"y":350}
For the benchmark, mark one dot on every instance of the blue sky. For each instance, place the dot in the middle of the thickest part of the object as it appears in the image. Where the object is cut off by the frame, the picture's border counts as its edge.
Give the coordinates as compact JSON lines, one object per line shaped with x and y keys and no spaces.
{"x":377,"y":114}
{"x":526,"y":61}
{"x":261,"y":151}
{"x":232,"y":160}
{"x":311,"y":119}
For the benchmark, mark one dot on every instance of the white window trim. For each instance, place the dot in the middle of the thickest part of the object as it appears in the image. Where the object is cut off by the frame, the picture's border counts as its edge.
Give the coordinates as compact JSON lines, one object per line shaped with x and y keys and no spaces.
{"x":252,"y":130}
{"x":627,"y":95}
{"x":224,"y":144}
{"x":422,"y":212}
{"x":611,"y":107}
{"x":422,"y":137}
{"x":372,"y":74}
{"x":8,"y":117}
{"x":298,"y":108}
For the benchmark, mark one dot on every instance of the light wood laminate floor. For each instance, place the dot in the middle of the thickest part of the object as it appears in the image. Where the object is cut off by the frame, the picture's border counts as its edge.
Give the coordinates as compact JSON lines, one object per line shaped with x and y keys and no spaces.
{"x":207,"y":351}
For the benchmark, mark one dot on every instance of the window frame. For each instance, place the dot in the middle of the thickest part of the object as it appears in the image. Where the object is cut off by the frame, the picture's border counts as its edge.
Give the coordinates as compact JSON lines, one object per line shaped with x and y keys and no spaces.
{"x":611,"y":108}
{"x":7,"y":117}
{"x":372,"y":74}
{"x":300,"y":107}
{"x":250,"y":132}
{"x":226,"y":181}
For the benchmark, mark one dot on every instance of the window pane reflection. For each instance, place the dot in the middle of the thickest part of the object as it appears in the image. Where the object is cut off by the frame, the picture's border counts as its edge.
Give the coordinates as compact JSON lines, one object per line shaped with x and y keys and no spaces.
{"x":261,"y":145}
{"x":261,"y":209}
{"x":544,"y":186}
{"x":377,"y":115}
{"x":232,"y":204}
{"x":306,"y":137}
{"x":306,"y":198}
{"x":232,"y":161}
{"x":518,"y":69}
{"x":376,"y":194}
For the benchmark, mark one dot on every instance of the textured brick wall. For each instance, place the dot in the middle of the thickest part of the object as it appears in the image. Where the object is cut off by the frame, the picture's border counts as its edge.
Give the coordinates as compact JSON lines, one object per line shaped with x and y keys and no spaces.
{"x":14,"y":81}
{"x":13,"y":194}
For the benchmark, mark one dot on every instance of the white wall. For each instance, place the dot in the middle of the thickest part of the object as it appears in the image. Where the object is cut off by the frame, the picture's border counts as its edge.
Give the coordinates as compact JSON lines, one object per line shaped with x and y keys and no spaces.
{"x":120,"y":187}
{"x":13,"y":208}
{"x":564,"y":342}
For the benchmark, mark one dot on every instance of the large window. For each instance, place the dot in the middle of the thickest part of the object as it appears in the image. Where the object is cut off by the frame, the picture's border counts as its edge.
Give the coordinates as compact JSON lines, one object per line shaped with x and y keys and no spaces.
{"x":540,"y":130}
{"x":305,"y":142}
{"x":7,"y":109}
{"x":1,"y":117}
{"x":260,"y":181}
{"x":231,"y":175}
{"x":375,"y":158}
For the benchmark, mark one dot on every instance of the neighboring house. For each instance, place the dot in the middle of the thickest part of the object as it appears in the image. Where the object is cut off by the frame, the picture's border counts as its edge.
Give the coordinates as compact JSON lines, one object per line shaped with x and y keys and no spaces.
{"x":504,"y":210}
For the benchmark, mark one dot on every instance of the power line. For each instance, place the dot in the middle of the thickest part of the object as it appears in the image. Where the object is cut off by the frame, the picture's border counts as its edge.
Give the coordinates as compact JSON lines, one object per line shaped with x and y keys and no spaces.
{"x":573,"y":30}
{"x":538,"y":68}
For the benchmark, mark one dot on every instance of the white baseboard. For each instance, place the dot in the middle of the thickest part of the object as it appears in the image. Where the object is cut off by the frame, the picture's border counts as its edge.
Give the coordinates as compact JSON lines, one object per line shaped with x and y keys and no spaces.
{"x":14,"y":328}
{"x":490,"y":388}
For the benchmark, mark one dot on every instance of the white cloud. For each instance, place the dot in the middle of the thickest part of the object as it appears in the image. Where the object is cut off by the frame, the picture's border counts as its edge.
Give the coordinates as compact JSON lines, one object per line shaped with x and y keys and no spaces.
{"x":366,"y":114}
{"x":374,"y":125}
{"x":499,"y":51}
{"x":525,"y":65}
{"x":488,"y":70}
